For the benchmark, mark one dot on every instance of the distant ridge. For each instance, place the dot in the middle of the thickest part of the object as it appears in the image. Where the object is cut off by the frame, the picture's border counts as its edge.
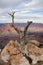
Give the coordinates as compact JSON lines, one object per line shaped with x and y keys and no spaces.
{"x":23,"y":24}
{"x":34,"y":27}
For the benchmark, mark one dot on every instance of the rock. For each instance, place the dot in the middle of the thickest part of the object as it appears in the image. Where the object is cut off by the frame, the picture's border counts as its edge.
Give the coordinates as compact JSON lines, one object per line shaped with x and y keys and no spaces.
{"x":35,"y":53}
{"x":24,"y":61}
{"x":33,"y":49}
{"x":11,"y":54}
{"x":19,"y":60}
{"x":10,"y":48}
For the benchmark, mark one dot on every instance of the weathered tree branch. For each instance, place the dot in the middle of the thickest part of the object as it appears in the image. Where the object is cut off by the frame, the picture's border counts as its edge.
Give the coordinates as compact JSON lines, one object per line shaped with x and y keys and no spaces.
{"x":25,"y":30}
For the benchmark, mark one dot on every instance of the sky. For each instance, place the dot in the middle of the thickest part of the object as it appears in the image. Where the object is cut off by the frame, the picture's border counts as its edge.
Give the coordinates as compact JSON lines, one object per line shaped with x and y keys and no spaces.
{"x":25,"y":10}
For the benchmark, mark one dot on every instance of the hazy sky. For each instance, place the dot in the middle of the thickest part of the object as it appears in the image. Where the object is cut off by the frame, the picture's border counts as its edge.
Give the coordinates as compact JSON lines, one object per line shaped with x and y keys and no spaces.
{"x":31,"y":10}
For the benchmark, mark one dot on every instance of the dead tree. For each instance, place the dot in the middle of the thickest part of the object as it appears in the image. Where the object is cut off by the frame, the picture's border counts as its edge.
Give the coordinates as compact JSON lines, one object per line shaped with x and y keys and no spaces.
{"x":24,"y":32}
{"x":12,"y":16}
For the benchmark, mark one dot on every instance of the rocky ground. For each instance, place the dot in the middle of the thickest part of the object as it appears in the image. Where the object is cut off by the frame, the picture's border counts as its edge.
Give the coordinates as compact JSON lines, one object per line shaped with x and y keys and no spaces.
{"x":20,"y":54}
